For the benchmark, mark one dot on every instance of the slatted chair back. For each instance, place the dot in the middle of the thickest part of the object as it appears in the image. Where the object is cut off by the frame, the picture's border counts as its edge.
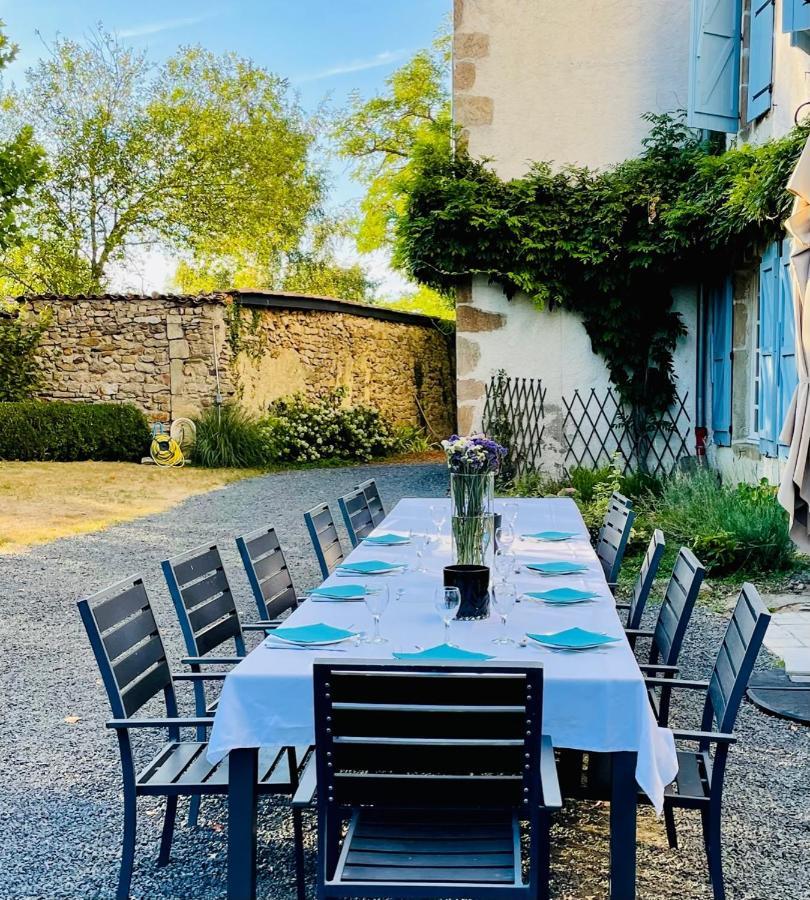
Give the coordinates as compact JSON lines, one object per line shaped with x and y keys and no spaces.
{"x":613,"y":538}
{"x":735,"y":660}
{"x":356,"y":515}
{"x":128,"y":648}
{"x":423,"y":736}
{"x":676,"y":610}
{"x":203,"y":600}
{"x":324,"y":538}
{"x":645,"y":579}
{"x":267,"y":572}
{"x":621,"y":500}
{"x":374,"y":500}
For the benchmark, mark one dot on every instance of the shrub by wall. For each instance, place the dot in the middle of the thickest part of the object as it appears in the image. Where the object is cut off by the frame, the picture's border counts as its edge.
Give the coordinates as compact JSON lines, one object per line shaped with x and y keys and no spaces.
{"x":67,"y":432}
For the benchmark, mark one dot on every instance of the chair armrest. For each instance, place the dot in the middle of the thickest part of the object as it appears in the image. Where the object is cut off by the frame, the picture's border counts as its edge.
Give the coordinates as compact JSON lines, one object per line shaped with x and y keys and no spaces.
{"x":639,"y":632}
{"x":549,"y":782}
{"x":211,"y":660}
{"x":198,"y":676}
{"x":160,"y":723}
{"x":717,"y":736}
{"x":307,"y":784}
{"x":650,"y":667}
{"x":677,"y":683}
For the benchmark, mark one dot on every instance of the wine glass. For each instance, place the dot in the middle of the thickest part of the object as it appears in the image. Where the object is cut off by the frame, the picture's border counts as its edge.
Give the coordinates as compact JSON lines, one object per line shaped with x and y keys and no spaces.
{"x":376,"y":597}
{"x":438,"y":515}
{"x":510,"y":513}
{"x":447,"y":601}
{"x":505,"y":535}
{"x":504,"y":563}
{"x":420,"y":543}
{"x":504,"y":597}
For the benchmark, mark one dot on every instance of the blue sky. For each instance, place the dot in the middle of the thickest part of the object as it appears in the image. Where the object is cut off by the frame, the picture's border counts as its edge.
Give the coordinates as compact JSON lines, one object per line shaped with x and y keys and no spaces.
{"x":326,"y":48}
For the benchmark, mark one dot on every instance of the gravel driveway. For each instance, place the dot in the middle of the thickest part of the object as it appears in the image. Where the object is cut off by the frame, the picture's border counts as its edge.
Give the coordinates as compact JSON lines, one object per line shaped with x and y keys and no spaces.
{"x":60,"y":803}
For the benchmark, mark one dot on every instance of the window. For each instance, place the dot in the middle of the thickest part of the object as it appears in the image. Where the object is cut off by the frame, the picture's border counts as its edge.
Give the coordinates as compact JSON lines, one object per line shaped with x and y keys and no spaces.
{"x":795,"y":15}
{"x":714,"y":69}
{"x":776,"y":351}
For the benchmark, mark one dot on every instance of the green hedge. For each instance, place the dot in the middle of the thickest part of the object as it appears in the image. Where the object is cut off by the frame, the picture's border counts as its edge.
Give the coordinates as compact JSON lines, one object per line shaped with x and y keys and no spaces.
{"x":67,"y":432}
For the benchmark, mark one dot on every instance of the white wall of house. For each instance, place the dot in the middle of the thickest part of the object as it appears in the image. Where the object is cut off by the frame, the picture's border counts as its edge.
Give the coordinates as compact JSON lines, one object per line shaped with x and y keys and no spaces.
{"x":566,"y":82}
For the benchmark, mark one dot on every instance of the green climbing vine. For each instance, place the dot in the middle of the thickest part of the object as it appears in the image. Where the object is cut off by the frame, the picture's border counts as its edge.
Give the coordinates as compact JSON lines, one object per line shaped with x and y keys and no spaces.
{"x":609,"y":245}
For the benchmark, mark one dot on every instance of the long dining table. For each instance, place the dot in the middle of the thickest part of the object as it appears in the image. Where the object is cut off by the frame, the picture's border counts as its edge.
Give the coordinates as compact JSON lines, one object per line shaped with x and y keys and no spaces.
{"x":594,"y":700}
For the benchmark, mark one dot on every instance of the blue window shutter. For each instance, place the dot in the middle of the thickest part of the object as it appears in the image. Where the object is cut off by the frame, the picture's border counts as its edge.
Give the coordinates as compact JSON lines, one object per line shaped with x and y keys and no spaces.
{"x":720,"y":316}
{"x":768,"y":362}
{"x":787,"y":377}
{"x":795,"y":15}
{"x":760,"y":59}
{"x":714,"y":65}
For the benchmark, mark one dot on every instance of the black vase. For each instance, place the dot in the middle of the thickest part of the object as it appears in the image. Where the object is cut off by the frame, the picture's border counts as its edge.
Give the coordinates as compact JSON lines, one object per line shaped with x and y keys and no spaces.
{"x":473,"y":585}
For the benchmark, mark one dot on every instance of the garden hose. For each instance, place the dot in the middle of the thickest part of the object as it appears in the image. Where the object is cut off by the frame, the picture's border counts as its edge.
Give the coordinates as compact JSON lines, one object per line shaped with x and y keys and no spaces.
{"x":165,"y":451}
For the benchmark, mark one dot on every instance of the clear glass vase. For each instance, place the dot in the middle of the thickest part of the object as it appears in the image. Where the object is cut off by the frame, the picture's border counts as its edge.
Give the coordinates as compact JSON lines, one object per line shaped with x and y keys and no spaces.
{"x":472,"y":507}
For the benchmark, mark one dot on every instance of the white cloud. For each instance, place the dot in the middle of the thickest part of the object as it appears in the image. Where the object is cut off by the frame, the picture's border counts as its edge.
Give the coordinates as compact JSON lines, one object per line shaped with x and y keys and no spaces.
{"x":358,"y":65}
{"x":150,"y":28}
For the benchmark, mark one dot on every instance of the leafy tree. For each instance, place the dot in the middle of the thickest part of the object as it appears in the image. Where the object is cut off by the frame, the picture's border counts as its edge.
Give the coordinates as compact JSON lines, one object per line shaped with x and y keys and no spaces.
{"x":378,"y":136}
{"x":20,"y":334}
{"x":312,"y":268}
{"x":21,"y":165}
{"x":426,"y":301}
{"x":203,"y":153}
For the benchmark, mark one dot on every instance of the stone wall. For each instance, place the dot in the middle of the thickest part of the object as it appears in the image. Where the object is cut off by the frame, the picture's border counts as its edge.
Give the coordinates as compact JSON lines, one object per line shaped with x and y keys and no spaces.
{"x":163,"y":353}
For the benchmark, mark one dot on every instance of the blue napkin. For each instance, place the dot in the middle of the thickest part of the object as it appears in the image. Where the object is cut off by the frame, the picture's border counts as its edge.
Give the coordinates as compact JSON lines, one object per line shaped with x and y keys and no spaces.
{"x":561,"y":595}
{"x":557,"y":568}
{"x":573,"y":639}
{"x":340,"y":592}
{"x":386,"y":539}
{"x":369,"y":567}
{"x":550,"y":535}
{"x":443,"y":651}
{"x":318,"y":633}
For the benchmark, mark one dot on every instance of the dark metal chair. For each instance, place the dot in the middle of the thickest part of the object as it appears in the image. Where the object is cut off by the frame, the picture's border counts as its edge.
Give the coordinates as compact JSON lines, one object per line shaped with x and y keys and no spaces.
{"x":374,"y":500}
{"x":699,"y":784}
{"x":268,"y":574}
{"x":324,"y":536}
{"x":645,"y":580}
{"x":356,"y":515}
{"x":130,"y":654}
{"x":434,"y":765}
{"x":208,"y":618}
{"x":612,"y":541}
{"x":666,"y":639}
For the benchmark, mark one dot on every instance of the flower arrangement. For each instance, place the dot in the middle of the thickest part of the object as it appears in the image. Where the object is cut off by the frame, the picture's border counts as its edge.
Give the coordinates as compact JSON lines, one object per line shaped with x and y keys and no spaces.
{"x":474,"y":455}
{"x":473,"y":462}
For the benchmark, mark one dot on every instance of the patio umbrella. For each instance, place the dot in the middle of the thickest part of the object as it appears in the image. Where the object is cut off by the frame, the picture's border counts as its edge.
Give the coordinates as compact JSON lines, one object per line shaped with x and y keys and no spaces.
{"x":794,"y":490}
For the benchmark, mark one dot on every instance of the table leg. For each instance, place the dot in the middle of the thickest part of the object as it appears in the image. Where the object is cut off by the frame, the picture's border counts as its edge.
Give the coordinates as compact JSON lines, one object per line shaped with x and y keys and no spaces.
{"x":243,"y":767}
{"x":623,"y":802}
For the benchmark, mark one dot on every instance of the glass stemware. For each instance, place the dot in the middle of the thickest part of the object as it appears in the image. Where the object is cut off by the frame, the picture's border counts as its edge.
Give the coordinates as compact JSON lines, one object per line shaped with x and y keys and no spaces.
{"x":438,"y":515}
{"x":504,"y":597}
{"x":505,"y":563}
{"x":376,"y":597}
{"x":420,"y":542}
{"x":447,"y":601}
{"x":510,"y":514}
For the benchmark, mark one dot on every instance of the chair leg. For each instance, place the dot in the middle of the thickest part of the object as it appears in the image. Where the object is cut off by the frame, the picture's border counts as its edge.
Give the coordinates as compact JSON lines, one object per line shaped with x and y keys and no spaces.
{"x":669,"y":821}
{"x":168,"y":831}
{"x":127,"y":846}
{"x":714,"y":850}
{"x":194,"y":810}
{"x":298,"y":837}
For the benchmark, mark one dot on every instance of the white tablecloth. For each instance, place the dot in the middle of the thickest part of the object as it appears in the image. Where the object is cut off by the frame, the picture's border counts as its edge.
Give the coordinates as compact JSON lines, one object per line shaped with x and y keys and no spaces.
{"x":593,"y":700}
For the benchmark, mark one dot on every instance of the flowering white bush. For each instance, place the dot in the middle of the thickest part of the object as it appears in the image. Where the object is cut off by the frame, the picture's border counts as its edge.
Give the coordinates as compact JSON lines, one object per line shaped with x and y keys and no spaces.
{"x":302,"y":430}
